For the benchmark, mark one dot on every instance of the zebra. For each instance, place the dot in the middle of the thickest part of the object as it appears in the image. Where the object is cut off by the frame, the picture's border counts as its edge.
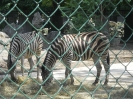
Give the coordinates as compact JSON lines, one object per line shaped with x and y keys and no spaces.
{"x":24,"y":46}
{"x":72,"y":47}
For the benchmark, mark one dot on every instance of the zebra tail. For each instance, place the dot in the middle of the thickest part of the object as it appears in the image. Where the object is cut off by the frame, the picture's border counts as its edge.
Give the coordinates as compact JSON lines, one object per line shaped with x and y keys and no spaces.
{"x":108,"y":59}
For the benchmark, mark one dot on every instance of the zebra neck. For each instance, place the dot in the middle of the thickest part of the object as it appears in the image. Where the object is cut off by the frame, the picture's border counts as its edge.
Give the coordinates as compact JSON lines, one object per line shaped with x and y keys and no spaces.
{"x":50,"y":60}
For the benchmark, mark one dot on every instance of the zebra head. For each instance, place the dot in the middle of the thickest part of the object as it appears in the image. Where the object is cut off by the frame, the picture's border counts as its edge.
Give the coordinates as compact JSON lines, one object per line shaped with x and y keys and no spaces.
{"x":47,"y":67}
{"x":47,"y":76}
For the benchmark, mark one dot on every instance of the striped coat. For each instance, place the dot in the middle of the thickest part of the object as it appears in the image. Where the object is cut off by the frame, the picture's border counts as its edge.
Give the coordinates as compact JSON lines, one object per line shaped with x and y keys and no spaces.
{"x":24,"y":46}
{"x":72,"y":47}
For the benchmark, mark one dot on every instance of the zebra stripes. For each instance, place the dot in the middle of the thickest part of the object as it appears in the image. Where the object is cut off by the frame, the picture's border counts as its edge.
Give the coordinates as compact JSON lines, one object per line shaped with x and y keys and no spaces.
{"x":72,"y":47}
{"x":24,"y":46}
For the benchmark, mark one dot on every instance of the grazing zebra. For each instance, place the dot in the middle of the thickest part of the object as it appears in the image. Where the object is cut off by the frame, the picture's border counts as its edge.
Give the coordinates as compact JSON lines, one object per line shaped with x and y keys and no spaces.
{"x":72,"y":47}
{"x":24,"y":46}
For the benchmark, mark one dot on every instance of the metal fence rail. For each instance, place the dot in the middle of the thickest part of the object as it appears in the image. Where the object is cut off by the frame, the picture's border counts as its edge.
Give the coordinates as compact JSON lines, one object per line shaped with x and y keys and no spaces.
{"x":58,"y":18}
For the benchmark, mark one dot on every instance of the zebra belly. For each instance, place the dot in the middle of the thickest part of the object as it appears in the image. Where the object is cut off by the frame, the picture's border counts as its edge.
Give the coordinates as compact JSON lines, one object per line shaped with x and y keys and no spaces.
{"x":81,"y":56}
{"x":80,"y":59}
{"x":29,"y":53}
{"x":28,"y":56}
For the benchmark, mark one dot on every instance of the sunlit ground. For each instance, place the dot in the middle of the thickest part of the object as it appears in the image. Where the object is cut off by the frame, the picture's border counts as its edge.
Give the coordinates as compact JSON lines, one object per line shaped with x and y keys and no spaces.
{"x":120,"y":84}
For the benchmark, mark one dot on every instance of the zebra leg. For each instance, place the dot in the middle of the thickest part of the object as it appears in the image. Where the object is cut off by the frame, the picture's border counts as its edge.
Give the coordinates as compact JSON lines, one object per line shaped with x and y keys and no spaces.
{"x":11,"y":67}
{"x":98,"y":67}
{"x":67,"y":72}
{"x":12,"y":70}
{"x":106,"y":64}
{"x":22,"y":64}
{"x":31,"y":63}
{"x":38,"y":67}
{"x":67,"y":62}
{"x":12,"y":73}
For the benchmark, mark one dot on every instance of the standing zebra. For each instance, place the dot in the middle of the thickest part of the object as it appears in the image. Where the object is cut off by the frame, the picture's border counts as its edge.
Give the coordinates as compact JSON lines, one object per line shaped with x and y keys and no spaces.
{"x":24,"y":46}
{"x":72,"y":47}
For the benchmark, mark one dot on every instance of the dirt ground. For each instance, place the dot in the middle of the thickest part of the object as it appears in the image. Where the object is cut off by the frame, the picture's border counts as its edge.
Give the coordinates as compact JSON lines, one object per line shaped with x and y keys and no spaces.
{"x":118,"y":54}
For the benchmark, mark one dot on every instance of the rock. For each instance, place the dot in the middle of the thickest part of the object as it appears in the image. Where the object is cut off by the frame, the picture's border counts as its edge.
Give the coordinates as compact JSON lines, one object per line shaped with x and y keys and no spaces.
{"x":10,"y":30}
{"x":37,"y":20}
{"x":52,"y":35}
{"x":112,"y":23}
{"x":4,"y":39}
{"x":116,"y":28}
{"x":3,"y":35}
{"x":49,"y":38}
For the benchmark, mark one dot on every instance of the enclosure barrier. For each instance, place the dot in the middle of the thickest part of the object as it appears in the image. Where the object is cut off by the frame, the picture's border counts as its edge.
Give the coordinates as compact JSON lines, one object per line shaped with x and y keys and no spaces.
{"x":60,"y":17}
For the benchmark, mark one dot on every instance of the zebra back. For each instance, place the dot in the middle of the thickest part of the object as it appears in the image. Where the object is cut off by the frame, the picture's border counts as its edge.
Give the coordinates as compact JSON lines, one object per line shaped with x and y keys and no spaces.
{"x":82,"y":46}
{"x":26,"y":44}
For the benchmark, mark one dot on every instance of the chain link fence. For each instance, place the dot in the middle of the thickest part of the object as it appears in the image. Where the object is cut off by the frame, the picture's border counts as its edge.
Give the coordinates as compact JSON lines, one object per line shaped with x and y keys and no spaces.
{"x":51,"y":19}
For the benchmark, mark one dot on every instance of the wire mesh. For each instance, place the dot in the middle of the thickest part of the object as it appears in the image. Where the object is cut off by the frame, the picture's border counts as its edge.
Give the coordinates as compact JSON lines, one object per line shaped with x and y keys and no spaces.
{"x":58,"y":18}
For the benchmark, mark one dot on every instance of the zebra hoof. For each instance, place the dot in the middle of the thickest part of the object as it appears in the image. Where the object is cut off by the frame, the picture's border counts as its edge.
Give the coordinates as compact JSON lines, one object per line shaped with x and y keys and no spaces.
{"x":64,"y":84}
{"x":72,"y":83}
{"x":14,"y":79}
{"x":106,"y":83}
{"x":45,"y":84}
{"x":94,"y":84}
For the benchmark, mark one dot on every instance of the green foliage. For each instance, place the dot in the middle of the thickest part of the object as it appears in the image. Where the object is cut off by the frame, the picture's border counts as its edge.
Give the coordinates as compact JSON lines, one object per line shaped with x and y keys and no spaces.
{"x":47,"y":3}
{"x":79,"y":12}
{"x":71,"y":5}
{"x":118,"y":5}
{"x":26,"y":6}
{"x":5,"y":5}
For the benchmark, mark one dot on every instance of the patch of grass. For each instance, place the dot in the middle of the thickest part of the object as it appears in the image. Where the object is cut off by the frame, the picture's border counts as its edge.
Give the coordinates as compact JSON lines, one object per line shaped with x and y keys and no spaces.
{"x":30,"y":87}
{"x":123,"y":93}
